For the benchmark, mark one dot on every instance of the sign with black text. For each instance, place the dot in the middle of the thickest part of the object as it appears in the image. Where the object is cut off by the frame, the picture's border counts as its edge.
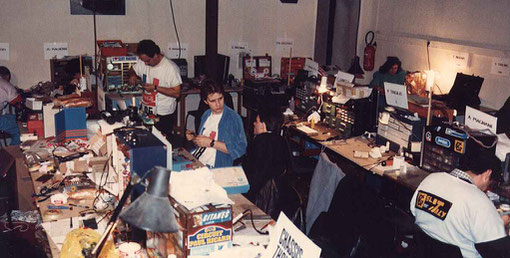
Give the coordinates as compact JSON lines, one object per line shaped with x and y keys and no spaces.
{"x":55,"y":49}
{"x":287,"y":241}
{"x":396,"y":95}
{"x":478,"y":120}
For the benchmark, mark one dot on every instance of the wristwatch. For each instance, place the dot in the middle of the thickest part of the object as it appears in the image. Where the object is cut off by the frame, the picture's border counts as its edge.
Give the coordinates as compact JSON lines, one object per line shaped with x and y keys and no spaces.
{"x":212,"y":143}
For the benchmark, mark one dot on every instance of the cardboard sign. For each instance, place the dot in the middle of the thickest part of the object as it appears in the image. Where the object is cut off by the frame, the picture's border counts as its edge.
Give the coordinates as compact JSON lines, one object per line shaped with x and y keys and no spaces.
{"x":312,"y":67}
{"x":500,"y":66}
{"x":283,"y":46}
{"x":478,"y":120}
{"x":173,"y":50}
{"x":396,"y":95}
{"x":4,"y":51}
{"x":55,"y":49}
{"x":460,"y":60}
{"x":288,"y":241}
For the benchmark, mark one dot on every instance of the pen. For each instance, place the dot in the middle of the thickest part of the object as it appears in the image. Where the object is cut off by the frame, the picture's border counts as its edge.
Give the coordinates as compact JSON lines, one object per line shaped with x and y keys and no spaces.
{"x":70,"y":222}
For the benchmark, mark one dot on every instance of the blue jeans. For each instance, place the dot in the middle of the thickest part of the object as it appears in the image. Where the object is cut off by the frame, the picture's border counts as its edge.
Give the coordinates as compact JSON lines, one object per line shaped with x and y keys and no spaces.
{"x":8,"y":124}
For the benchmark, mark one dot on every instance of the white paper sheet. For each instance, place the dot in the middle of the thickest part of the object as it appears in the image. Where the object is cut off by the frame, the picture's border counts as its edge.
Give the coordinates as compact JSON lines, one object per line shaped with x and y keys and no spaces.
{"x":194,"y":188}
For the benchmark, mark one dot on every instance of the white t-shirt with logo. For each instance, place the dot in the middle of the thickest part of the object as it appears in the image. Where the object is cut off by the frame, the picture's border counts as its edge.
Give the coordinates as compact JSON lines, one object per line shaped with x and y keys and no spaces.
{"x":210,"y":130}
{"x":165,"y":74}
{"x":456,"y":212}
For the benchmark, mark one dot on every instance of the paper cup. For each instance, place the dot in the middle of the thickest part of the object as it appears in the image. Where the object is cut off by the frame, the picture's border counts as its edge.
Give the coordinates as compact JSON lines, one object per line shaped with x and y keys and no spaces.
{"x":130,"y":250}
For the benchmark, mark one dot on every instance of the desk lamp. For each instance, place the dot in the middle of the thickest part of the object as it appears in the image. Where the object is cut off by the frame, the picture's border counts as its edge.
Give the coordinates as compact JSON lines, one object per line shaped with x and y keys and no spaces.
{"x":151,"y":211}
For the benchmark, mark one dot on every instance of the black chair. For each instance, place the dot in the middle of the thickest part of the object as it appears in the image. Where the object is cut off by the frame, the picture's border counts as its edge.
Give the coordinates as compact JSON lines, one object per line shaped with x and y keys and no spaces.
{"x":7,"y":173}
{"x":202,"y":107}
{"x":430,"y":247}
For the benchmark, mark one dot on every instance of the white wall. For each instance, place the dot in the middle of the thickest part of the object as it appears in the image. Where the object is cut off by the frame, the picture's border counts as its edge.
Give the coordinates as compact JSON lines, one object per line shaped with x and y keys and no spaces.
{"x":28,"y":24}
{"x":477,"y":27}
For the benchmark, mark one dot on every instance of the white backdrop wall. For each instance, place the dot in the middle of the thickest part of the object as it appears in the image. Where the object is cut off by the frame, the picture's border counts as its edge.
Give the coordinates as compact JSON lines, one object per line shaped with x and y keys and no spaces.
{"x":28,"y":24}
{"x":479,"y":28}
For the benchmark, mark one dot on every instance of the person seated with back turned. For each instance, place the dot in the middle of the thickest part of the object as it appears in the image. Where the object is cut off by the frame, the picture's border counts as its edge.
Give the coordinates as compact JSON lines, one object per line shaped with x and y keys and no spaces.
{"x":9,"y":95}
{"x":453,"y":208}
{"x":267,"y":156}
{"x":221,"y":138}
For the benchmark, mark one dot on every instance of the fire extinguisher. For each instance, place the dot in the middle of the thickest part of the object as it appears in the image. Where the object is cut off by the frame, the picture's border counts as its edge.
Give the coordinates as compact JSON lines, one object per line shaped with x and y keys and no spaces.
{"x":369,"y":53}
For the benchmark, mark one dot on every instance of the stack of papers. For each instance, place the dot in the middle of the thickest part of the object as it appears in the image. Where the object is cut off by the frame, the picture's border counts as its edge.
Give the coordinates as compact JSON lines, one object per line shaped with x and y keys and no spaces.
{"x":194,"y":188}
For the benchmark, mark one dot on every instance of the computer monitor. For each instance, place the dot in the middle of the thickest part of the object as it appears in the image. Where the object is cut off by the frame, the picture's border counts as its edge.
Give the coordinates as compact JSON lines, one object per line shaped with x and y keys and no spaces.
{"x":222,"y":62}
{"x":465,"y":92}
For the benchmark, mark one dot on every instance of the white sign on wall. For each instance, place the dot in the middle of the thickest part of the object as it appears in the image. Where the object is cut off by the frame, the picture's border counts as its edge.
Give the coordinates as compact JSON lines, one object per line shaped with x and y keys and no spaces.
{"x":55,"y":49}
{"x":237,"y":51}
{"x":478,"y":120}
{"x":283,"y":46}
{"x":4,"y":51}
{"x":173,"y":50}
{"x":288,"y":241}
{"x":460,"y":60}
{"x":500,"y":66}
{"x":396,"y":95}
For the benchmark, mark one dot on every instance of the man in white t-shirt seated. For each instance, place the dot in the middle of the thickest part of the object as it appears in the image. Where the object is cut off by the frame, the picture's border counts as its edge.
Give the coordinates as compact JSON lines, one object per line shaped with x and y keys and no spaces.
{"x":453,"y":208}
{"x":221,"y":138}
{"x":162,"y":84}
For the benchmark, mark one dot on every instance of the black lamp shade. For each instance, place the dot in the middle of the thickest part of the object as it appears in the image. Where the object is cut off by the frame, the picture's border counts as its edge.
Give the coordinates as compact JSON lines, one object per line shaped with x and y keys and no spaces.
{"x":152,"y":210}
{"x":356,"y":68}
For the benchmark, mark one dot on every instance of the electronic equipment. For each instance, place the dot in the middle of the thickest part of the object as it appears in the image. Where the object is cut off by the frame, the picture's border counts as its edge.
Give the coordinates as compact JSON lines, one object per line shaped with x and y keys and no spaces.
{"x":351,"y":118}
{"x":464,"y":92}
{"x":402,"y":129}
{"x":116,"y":71}
{"x":445,"y":146}
{"x":264,"y":93}
{"x":503,"y":118}
{"x":64,"y":69}
{"x":141,"y":150}
{"x":183,"y":67}
{"x":289,"y":70}
{"x":257,"y":67}
{"x":222,"y":63}
{"x":305,"y":96}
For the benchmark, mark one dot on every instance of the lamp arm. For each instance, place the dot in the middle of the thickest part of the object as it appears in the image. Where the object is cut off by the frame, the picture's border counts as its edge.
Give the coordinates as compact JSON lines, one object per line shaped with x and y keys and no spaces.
{"x":112,"y":223}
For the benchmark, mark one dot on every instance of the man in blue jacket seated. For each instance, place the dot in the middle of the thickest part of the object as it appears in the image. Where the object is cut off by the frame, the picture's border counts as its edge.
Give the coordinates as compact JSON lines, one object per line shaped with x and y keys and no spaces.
{"x":453,"y":208}
{"x":221,"y":138}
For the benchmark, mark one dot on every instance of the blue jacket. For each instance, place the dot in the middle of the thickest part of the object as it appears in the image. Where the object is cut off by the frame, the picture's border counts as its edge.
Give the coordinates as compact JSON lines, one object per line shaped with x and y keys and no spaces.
{"x":231,"y":132}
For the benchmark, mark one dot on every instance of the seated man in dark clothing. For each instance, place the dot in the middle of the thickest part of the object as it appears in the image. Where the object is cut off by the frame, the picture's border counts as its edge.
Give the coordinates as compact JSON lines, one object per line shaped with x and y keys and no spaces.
{"x":267,"y":157}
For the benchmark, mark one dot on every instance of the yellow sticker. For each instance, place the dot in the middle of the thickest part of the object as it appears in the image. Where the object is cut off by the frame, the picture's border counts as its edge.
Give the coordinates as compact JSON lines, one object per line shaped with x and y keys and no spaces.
{"x":459,"y":146}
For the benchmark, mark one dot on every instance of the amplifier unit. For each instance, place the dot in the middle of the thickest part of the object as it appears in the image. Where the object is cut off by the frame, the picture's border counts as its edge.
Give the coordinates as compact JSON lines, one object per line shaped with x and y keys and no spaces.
{"x":350,"y":119}
{"x":445,"y":146}
{"x":402,"y":129}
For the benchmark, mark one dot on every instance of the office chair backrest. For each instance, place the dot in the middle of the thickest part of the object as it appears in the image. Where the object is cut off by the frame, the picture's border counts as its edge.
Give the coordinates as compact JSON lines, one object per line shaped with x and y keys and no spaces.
{"x":430,"y":247}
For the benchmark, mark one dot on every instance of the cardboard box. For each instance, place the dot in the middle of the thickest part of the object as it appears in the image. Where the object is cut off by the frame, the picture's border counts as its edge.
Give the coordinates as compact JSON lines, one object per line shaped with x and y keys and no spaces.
{"x":70,"y":124}
{"x":33,"y":104}
{"x":206,"y":230}
{"x":35,"y":124}
{"x":49,"y":120}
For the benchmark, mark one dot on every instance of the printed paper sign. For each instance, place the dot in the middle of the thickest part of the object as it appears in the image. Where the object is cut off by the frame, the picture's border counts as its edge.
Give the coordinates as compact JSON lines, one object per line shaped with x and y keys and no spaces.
{"x":236,"y":47}
{"x":288,"y":241}
{"x":173,"y":50}
{"x":460,"y":60}
{"x":283,"y":46}
{"x":478,"y":120}
{"x":4,"y":51}
{"x":312,"y":67}
{"x":396,"y":95}
{"x":56,"y":49}
{"x":500,"y":66}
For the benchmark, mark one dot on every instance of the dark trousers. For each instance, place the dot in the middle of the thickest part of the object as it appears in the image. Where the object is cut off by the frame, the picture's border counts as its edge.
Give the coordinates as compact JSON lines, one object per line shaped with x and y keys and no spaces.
{"x":165,"y":125}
